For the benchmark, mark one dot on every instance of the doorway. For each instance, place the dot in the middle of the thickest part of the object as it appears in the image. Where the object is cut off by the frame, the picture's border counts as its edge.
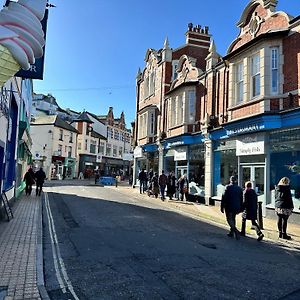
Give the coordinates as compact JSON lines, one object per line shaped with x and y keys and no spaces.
{"x":180,"y":170}
{"x":255,"y":174}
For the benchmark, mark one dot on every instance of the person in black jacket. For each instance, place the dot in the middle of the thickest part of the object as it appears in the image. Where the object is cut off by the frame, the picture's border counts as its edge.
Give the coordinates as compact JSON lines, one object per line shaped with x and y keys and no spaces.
{"x":29,"y":181}
{"x":250,"y":210}
{"x":283,"y":206}
{"x":171,"y":185}
{"x":40,"y":179}
{"x":232,"y":200}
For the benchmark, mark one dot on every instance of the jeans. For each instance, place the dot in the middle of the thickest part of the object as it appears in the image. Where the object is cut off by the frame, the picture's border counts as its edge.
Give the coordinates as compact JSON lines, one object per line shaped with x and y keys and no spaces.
{"x":162,"y":191}
{"x":28,"y":189}
{"x":282,"y":223}
{"x":254,"y":224}
{"x":143,"y":186}
{"x":230,"y":216}
{"x":39,"y":187}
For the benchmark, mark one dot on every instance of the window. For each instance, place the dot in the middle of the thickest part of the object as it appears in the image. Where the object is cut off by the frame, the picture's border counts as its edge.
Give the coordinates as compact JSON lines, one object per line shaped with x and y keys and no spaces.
{"x":174,"y":70}
{"x":101,"y":148}
{"x":152,"y":123}
{"x":274,"y":71}
{"x":239,"y":82}
{"x":108,"y":149}
{"x":116,"y":135}
{"x":121,"y":151}
{"x":180,"y":110}
{"x":71,"y":137}
{"x":255,"y":75}
{"x":93,"y":145}
{"x":70,"y":152}
{"x":173,"y":112}
{"x":59,"y":150}
{"x":192,"y":106}
{"x":79,"y":146}
{"x":61,"y":134}
{"x":149,"y":85}
{"x":86,"y":145}
{"x":115,"y":149}
{"x":143,"y":126}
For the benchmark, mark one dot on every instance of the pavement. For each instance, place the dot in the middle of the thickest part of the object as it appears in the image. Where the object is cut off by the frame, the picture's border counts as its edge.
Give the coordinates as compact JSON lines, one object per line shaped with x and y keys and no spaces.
{"x":21,"y":268}
{"x":18,"y":250}
{"x":213,"y":215}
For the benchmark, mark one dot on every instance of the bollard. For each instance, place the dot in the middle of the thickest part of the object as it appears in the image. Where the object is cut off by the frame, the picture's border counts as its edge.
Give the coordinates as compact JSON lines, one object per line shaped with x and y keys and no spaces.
{"x":260,"y":216}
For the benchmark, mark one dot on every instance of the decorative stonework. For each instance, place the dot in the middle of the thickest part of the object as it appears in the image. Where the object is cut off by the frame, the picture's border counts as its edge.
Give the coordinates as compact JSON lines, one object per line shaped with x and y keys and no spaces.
{"x":254,"y":24}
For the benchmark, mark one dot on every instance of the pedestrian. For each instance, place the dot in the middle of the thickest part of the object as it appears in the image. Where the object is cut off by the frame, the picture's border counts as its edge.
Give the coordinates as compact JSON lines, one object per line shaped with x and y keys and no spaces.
{"x":154,"y":186}
{"x":283,"y":206}
{"x":171,"y":185}
{"x":40,"y":177}
{"x":143,"y":181}
{"x":29,"y":181}
{"x":80,"y":176}
{"x":231,"y":203}
{"x":97,"y":176}
{"x":183,"y":186}
{"x":162,"y":181}
{"x":250,"y":210}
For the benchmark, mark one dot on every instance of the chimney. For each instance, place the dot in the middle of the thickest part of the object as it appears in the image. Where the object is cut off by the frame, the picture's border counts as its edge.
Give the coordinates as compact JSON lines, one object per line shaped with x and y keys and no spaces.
{"x":198,"y":36}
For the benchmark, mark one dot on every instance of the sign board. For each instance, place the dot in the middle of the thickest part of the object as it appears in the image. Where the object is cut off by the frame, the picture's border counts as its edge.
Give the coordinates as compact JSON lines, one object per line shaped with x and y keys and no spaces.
{"x":138,"y":152}
{"x":99,"y":158}
{"x":250,"y":145}
{"x":36,"y":70}
{"x":178,"y":156}
{"x":128,"y":156}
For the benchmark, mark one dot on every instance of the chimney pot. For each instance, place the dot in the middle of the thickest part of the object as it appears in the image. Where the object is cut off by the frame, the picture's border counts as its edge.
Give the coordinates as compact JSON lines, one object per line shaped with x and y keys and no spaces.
{"x":190,"y":26}
{"x":206,"y":29}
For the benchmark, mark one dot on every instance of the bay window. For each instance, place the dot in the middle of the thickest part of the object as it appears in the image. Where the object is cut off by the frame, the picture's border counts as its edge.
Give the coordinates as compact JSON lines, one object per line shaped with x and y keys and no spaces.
{"x":274,"y":70}
{"x":239,"y":82}
{"x":255,"y":76}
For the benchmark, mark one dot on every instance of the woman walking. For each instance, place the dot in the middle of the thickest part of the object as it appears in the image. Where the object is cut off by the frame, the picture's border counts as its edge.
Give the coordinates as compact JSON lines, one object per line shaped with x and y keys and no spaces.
{"x":283,"y":206}
{"x":250,"y":210}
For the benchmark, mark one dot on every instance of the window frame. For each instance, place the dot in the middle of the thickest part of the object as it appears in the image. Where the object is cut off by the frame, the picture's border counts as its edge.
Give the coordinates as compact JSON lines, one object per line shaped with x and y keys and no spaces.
{"x":254,"y":75}
{"x":276,"y":68}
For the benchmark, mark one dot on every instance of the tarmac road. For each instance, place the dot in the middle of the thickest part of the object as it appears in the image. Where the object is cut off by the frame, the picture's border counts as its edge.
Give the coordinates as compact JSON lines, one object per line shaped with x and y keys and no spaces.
{"x":102,"y":244}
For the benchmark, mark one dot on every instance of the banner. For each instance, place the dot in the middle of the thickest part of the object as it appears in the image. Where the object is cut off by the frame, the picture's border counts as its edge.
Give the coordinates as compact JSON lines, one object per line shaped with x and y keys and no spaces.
{"x":36,"y":70}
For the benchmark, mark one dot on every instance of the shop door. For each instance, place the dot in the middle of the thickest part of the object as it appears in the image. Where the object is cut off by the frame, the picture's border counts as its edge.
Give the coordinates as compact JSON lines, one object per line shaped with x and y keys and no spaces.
{"x":255,"y":174}
{"x":181,"y":171}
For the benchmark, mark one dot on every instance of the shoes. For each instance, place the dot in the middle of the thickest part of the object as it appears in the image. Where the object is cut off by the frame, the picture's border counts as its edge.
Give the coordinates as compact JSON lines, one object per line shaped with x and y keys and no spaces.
{"x":230,"y":234}
{"x":286,"y":237}
{"x":260,"y":237}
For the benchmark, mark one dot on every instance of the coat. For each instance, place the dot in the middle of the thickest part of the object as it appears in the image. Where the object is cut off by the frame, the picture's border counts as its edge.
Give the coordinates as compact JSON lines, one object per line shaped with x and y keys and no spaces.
{"x":163,"y":180}
{"x":29,"y":177}
{"x":183,"y":185}
{"x":250,"y":204}
{"x":171,"y":186}
{"x":40,"y":177}
{"x":232,"y":199}
{"x":283,"y":197}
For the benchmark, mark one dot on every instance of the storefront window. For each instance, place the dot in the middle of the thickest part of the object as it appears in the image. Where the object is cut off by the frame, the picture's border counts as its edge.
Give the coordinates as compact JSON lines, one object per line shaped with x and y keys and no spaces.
{"x":197,"y":164}
{"x":225,"y":165}
{"x":285,"y":162}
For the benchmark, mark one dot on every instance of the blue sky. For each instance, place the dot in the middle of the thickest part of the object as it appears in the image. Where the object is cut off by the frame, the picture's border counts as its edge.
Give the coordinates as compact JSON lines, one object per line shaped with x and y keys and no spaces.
{"x":94,"y":48}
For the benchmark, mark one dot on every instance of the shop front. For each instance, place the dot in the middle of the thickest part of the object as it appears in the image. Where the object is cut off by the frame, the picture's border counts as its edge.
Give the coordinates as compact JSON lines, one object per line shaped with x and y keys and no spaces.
{"x":57,"y":167}
{"x":69,"y":168}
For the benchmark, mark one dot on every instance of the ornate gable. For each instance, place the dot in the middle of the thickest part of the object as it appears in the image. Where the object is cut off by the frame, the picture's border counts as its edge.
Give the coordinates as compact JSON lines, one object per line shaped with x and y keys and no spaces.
{"x":259,"y":17}
{"x":187,"y":71}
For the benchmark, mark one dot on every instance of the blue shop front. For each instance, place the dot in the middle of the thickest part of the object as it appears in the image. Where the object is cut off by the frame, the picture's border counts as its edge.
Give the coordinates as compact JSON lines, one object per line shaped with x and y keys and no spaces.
{"x":185,"y":154}
{"x":262,"y":150}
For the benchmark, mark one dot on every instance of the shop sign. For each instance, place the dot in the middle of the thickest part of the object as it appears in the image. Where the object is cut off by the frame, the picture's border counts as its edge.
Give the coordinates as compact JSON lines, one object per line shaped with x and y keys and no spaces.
{"x":99,"y":158}
{"x":179,"y":155}
{"x":138,"y":152}
{"x":244,"y":129}
{"x":250,"y":145}
{"x":128,"y":156}
{"x":174,"y":144}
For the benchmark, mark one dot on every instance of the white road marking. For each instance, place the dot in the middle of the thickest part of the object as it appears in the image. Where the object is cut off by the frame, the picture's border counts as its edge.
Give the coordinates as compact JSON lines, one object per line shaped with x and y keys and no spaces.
{"x":60,"y":261}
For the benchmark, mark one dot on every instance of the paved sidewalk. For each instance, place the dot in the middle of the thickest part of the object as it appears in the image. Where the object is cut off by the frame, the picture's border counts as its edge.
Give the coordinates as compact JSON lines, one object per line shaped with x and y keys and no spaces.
{"x":18,"y":273}
{"x":213,"y":214}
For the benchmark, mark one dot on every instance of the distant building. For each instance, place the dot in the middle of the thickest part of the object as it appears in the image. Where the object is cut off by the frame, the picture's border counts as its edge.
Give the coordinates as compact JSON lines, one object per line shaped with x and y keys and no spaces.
{"x":54,"y":147}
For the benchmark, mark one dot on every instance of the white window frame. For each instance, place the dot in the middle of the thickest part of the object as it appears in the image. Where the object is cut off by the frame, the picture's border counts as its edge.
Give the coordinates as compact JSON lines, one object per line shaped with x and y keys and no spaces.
{"x":192,"y":106}
{"x":255,"y":75}
{"x":239,"y":82}
{"x":152,"y":122}
{"x":180,"y":109}
{"x":274,"y":61}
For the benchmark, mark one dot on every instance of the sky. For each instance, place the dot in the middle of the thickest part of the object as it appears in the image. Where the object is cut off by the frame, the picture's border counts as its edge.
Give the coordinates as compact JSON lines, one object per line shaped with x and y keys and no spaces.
{"x":95,"y":47}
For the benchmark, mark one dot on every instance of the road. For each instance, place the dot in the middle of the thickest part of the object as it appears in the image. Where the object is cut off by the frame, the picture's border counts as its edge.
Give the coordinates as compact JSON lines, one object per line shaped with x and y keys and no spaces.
{"x":100,"y":243}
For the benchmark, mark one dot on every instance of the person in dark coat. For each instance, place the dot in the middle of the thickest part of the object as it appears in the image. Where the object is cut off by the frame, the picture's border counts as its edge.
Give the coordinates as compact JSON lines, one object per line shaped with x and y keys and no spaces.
{"x":162,"y":181}
{"x":250,"y":210}
{"x":154,"y":186}
{"x":231,"y":203}
{"x":40,"y":177}
{"x":171,"y":185}
{"x":283,"y":206}
{"x":29,"y":181}
{"x":143,"y":181}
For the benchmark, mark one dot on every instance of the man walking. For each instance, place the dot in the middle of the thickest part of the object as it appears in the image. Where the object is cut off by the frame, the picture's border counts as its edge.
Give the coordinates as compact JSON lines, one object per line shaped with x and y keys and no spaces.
{"x":232,"y":200}
{"x":40,"y":179}
{"x":163,"y":180}
{"x":143,"y":181}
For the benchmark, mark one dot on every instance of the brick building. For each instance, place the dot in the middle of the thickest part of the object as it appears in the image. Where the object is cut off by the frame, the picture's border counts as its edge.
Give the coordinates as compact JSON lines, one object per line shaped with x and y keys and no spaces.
{"x":246,"y":117}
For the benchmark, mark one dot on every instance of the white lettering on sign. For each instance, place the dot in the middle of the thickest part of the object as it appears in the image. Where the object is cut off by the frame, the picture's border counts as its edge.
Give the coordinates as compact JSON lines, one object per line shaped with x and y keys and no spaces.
{"x":245,"y":129}
{"x":253,"y":145}
{"x":179,"y":155}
